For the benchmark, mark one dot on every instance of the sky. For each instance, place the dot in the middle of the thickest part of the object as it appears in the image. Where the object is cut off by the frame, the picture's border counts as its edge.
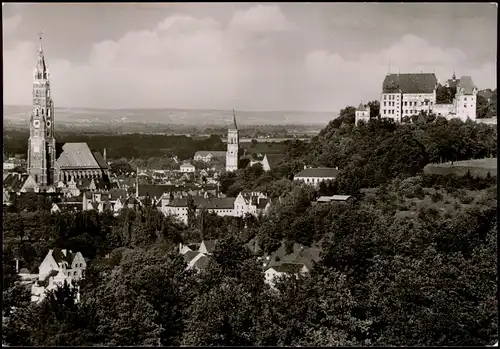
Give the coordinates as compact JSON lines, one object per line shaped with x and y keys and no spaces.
{"x":246,"y":56}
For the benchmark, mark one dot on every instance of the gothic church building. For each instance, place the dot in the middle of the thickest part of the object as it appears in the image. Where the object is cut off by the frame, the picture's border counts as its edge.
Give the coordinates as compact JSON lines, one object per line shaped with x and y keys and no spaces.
{"x":76,"y":160}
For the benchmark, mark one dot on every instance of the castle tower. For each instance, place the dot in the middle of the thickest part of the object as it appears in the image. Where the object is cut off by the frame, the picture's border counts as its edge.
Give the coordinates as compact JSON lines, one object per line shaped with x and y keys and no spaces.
{"x":232,"y":146}
{"x":42,"y":144}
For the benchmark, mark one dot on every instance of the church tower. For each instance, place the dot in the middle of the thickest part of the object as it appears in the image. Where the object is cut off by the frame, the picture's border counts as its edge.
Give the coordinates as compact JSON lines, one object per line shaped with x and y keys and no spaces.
{"x":232,"y":147}
{"x":41,"y":144}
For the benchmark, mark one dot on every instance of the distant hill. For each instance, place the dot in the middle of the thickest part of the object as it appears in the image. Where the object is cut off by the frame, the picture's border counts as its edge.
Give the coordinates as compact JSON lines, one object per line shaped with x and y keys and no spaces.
{"x":20,"y":114}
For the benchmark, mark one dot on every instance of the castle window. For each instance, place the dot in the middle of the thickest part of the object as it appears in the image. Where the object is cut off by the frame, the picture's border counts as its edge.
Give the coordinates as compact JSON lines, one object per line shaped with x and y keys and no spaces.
{"x":406,"y":103}
{"x":465,"y":105}
{"x":385,"y":97}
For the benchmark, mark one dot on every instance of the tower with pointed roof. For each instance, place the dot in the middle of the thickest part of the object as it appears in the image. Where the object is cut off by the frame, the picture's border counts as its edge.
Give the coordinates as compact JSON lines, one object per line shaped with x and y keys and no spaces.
{"x":41,"y":143}
{"x":232,"y":146}
{"x":362,"y":113}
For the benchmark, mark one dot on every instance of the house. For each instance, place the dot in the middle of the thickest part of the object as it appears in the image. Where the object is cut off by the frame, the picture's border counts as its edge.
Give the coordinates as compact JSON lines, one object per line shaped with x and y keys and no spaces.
{"x":59,"y":266}
{"x":195,"y":260}
{"x":184,"y":248}
{"x":30,"y":185}
{"x":301,"y":254}
{"x":13,"y":182}
{"x":314,"y":176}
{"x":253,"y":203}
{"x":208,"y":156}
{"x":362,"y":114}
{"x":207,"y":246}
{"x":347,"y":199}
{"x":260,"y":159}
{"x":285,"y":269}
{"x":55,"y":209}
{"x":179,"y":206}
{"x":187,"y":168}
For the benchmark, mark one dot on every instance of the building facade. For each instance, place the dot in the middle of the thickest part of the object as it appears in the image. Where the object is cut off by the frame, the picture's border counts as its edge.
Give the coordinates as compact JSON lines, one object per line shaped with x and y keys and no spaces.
{"x":314,"y":176}
{"x":232,"y":147}
{"x":407,"y":95}
{"x":362,"y":113}
{"x":41,"y":143}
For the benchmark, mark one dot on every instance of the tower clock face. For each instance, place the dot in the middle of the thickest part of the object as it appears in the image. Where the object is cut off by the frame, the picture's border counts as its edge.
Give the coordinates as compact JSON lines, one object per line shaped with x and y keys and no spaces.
{"x":36,"y":123}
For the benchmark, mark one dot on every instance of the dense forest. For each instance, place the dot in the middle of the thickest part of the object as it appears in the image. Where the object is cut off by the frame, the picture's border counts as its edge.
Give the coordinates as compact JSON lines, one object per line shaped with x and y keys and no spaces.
{"x":412,"y":263}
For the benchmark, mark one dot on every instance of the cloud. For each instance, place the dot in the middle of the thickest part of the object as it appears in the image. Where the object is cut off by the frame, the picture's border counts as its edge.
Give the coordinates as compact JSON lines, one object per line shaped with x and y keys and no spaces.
{"x":335,"y":77}
{"x":256,"y":60}
{"x":10,"y":24}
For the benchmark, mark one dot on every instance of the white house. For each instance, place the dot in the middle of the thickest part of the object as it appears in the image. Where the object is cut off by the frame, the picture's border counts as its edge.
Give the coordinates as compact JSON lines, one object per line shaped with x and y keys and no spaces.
{"x":272,"y":274}
{"x":178,"y":207}
{"x":58,"y":266}
{"x":251,"y":203}
{"x":207,"y":156}
{"x":55,"y":209}
{"x":207,"y":247}
{"x":314,"y":176}
{"x":187,"y":168}
{"x":362,"y":114}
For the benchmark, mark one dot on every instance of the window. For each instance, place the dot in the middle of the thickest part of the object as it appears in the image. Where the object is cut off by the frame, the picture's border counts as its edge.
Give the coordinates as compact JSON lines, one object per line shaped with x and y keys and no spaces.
{"x":465,"y":105}
{"x":384,"y":104}
{"x":385,"y":97}
{"x":384,"y":111}
{"x":406,"y":103}
{"x":465,"y":98}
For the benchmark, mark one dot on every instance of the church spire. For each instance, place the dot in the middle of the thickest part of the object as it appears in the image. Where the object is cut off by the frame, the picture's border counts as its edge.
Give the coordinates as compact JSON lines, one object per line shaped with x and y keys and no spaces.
{"x":41,"y":68}
{"x":234,"y":127}
{"x":454,"y":77}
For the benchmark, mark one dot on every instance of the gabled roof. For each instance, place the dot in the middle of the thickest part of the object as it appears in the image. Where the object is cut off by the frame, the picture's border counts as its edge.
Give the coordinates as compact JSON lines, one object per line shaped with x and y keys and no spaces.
{"x":410,"y":83}
{"x":466,"y":85}
{"x":202,"y":262}
{"x":100,"y":160}
{"x":210,"y":245}
{"x":190,"y":255}
{"x":77,"y":155}
{"x":301,"y":254}
{"x":334,"y":198}
{"x":289,"y":268}
{"x":318,"y":172}
{"x":187,"y":165}
{"x":14,"y":181}
{"x":204,"y":153}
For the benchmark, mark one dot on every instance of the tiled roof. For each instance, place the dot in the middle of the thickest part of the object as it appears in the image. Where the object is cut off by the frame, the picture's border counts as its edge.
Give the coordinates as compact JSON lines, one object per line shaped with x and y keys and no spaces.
{"x":361,"y":107}
{"x":187,"y":165}
{"x":410,"y":83}
{"x":116,"y":193}
{"x":333,"y":198}
{"x":14,"y":181}
{"x":210,"y":245}
{"x":208,"y":203}
{"x":318,"y":172}
{"x":289,"y":268}
{"x":202,"y":262}
{"x":60,"y":257}
{"x":301,"y":254}
{"x":204,"y":153}
{"x":77,"y":155}
{"x":190,"y":255}
{"x":466,"y":85}
{"x":100,"y":160}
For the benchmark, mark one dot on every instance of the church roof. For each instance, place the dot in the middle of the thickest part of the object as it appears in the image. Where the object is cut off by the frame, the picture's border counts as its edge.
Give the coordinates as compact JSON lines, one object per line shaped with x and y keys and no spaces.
{"x":100,"y":160}
{"x":410,"y":83}
{"x":77,"y":155}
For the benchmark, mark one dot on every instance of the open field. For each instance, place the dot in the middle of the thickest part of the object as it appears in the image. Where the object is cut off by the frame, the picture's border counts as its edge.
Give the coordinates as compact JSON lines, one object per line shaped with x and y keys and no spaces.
{"x":477,"y":168}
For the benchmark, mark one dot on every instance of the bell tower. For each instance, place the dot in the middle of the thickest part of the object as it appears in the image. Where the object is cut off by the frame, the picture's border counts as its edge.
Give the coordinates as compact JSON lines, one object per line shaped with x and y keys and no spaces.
{"x":41,"y":144}
{"x":232,"y":146}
